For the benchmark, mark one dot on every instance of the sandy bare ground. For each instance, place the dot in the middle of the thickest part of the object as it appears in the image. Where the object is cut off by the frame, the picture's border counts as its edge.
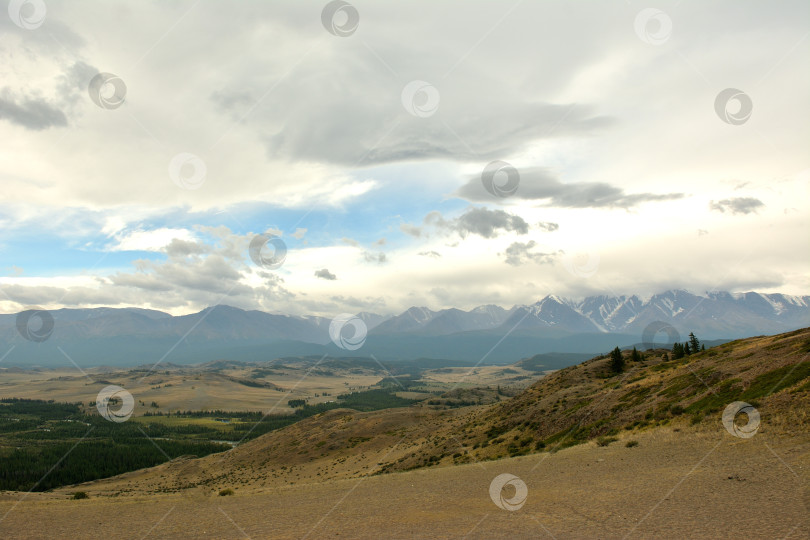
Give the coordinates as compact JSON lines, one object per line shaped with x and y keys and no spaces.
{"x":672,"y":485}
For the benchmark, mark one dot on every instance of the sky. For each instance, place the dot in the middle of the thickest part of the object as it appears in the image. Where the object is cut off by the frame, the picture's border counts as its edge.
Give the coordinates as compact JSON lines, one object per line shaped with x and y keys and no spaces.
{"x":378,"y":156}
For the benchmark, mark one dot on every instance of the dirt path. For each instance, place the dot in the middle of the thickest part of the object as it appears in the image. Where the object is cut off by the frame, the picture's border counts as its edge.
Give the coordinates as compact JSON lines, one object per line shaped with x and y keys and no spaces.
{"x":672,"y":485}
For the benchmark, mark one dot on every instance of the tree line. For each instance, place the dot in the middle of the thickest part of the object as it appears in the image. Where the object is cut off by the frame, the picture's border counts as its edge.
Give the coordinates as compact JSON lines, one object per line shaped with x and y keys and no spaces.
{"x":679,"y":350}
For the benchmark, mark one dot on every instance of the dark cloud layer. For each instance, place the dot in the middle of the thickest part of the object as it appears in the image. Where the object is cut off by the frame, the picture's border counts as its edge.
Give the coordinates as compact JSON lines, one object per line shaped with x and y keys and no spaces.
{"x":539,"y":184}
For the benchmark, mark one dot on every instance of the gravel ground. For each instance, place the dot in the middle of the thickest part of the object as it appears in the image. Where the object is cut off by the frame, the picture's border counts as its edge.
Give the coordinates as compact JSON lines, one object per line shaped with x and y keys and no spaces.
{"x":672,"y":485}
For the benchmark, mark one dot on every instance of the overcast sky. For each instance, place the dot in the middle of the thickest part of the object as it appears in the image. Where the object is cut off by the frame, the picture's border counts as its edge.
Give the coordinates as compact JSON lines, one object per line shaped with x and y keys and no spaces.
{"x":436,"y":154}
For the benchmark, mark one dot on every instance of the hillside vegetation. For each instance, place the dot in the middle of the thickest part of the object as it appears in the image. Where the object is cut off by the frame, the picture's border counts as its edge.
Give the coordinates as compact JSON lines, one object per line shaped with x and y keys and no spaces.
{"x":589,"y":401}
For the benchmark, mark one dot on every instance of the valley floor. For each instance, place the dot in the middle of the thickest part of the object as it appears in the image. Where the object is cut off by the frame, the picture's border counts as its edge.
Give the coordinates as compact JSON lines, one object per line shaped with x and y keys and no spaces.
{"x":674,"y":484}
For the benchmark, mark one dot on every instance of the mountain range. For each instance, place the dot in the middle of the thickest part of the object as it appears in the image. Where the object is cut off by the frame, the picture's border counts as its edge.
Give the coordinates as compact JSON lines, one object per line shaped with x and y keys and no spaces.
{"x":132,"y":336}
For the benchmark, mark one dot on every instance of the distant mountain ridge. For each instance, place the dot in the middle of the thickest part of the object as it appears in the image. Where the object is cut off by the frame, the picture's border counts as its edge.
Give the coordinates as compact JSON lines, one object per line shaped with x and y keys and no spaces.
{"x":716,"y":315}
{"x":131,"y":336}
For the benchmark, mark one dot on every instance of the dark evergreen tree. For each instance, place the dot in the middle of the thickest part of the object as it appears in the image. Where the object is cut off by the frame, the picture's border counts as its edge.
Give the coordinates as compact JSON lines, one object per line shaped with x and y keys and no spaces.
{"x":694,"y":344}
{"x":616,"y":360}
{"x":677,"y":351}
{"x":686,"y":349}
{"x":702,"y":346}
{"x":635,"y":356}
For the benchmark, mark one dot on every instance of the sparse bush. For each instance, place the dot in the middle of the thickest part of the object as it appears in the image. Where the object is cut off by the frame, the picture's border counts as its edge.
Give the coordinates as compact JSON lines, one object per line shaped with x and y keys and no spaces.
{"x":80,"y":495}
{"x":631,"y":444}
{"x":604,"y":441}
{"x":225,"y":492}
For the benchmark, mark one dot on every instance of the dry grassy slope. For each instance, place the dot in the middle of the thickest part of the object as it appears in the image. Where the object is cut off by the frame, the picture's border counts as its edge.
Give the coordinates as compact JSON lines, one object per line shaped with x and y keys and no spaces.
{"x":565,"y":408}
{"x":586,"y":401}
{"x":342,"y":443}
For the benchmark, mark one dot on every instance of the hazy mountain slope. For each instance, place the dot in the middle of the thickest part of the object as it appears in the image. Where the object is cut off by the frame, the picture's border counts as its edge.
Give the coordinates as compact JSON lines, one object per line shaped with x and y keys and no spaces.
{"x":134,"y":336}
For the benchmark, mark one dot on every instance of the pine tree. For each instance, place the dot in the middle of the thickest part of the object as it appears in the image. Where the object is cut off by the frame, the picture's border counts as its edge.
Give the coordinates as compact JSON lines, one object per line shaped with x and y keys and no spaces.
{"x":702,"y":347}
{"x":616,"y":360}
{"x":686,"y":349}
{"x":677,"y":351}
{"x":693,"y":342}
{"x":635,"y":356}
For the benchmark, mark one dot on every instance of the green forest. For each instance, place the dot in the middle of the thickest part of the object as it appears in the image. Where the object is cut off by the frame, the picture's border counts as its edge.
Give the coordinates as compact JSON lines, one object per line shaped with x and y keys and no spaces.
{"x":44,"y":445}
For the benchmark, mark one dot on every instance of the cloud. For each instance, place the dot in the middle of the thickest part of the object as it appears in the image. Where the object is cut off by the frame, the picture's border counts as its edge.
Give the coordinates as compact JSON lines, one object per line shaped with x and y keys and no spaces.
{"x":320,"y":127}
{"x":519,"y":253}
{"x":548,"y":226}
{"x":737,"y":205}
{"x":378,"y":257}
{"x":374,"y":130}
{"x":539,"y":184}
{"x":350,"y":242}
{"x":195,"y":274}
{"x":479,"y":221}
{"x":325,"y":274}
{"x":184,"y":248}
{"x":152,"y":240}
{"x":34,"y":114}
{"x":411,"y":230}
{"x":299,"y":233}
{"x":370,"y":304}
{"x":75,"y":80}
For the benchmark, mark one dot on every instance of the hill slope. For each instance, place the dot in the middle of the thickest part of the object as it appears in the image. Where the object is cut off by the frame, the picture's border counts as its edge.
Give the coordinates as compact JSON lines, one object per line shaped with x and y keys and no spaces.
{"x":565,"y":408}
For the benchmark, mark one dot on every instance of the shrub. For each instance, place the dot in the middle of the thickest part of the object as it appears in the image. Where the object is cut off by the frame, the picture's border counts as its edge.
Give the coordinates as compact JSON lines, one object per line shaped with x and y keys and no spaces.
{"x":80,"y":495}
{"x":631,"y":444}
{"x":604,"y":441}
{"x":225,"y":492}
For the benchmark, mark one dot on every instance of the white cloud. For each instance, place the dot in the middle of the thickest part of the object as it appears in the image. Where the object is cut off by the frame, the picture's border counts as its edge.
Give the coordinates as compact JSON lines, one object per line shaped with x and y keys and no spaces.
{"x":153,"y":240}
{"x":620,"y":146}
